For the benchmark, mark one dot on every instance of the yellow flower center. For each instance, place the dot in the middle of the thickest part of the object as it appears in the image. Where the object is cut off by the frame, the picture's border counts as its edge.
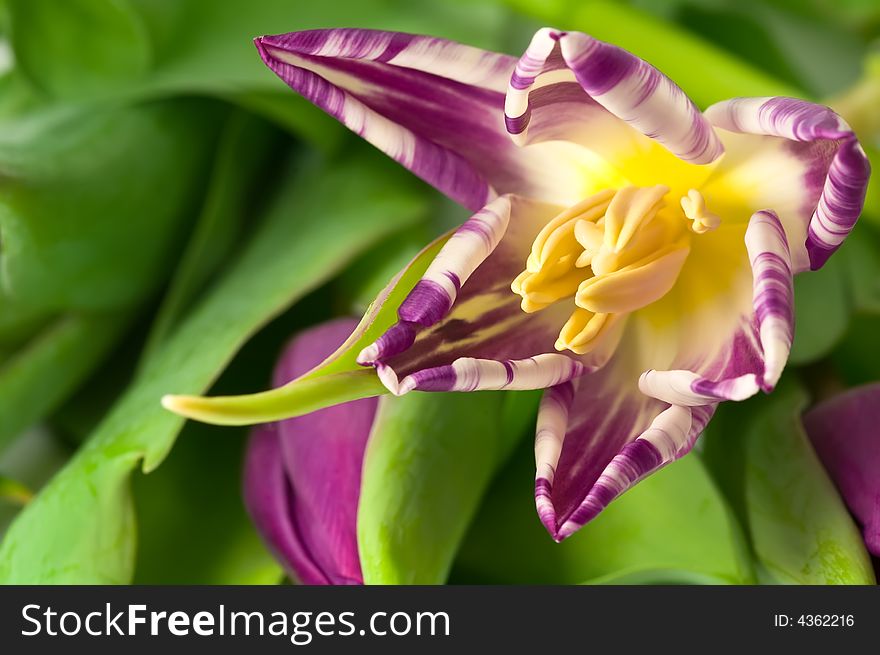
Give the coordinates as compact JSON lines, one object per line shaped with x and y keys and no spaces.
{"x":614,"y":252}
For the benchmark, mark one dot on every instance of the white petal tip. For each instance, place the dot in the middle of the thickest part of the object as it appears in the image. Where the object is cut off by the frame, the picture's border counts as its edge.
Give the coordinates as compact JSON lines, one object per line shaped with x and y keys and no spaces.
{"x":520,"y":140}
{"x":565,"y":532}
{"x":389,"y":378}
{"x":368,"y":356}
{"x":768,"y":382}
{"x":643,"y":382}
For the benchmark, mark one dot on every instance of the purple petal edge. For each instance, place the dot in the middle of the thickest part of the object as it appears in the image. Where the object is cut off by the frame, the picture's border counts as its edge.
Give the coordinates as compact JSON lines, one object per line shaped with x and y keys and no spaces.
{"x":302,"y":475}
{"x":626,"y":86}
{"x":432,"y":297}
{"x":267,"y":498}
{"x":844,"y":188}
{"x":844,"y":432}
{"x":841,"y":202}
{"x":427,"y":102}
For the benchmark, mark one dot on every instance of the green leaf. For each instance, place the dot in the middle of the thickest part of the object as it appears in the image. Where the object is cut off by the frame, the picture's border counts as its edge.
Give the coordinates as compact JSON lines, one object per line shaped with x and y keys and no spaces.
{"x":861,"y":256}
{"x":92,"y":200}
{"x":825,"y":56}
{"x":19,"y":322}
{"x":673,"y":527}
{"x":218,"y":54}
{"x":858,"y":105}
{"x":29,"y":461}
{"x":871,"y":213}
{"x":809,"y":51}
{"x":73,"y":48}
{"x":135,"y":49}
{"x":192,"y":525}
{"x":856,"y":360}
{"x":336,"y":380}
{"x":294,"y":114}
{"x":799,"y":529}
{"x":241,"y":163}
{"x":13,"y":491}
{"x":823,"y":307}
{"x":429,"y":459}
{"x":17,"y":94}
{"x":38,"y":377}
{"x":80,"y":528}
{"x":826,"y":300}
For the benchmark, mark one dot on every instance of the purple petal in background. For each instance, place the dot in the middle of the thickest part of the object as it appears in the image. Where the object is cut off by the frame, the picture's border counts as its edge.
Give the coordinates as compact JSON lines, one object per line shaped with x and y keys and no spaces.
{"x":844,"y":430}
{"x":302,"y":476}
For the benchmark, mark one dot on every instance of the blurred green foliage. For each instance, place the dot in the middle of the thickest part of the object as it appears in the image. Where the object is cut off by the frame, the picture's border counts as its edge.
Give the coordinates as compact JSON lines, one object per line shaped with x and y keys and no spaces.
{"x":127,"y":175}
{"x":90,"y":497}
{"x":673,"y":528}
{"x":163,"y":197}
{"x":800,"y":532}
{"x":408,"y":533}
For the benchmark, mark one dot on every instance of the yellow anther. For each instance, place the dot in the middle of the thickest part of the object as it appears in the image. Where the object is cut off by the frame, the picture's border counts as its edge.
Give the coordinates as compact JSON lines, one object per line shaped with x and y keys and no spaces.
{"x":631,"y":209}
{"x":539,"y":292}
{"x":694,"y":206}
{"x":588,"y":209}
{"x":581,"y":332}
{"x":614,"y":252}
{"x":589,"y":235}
{"x":635,"y":286}
{"x":560,"y":243}
{"x":551,"y":269}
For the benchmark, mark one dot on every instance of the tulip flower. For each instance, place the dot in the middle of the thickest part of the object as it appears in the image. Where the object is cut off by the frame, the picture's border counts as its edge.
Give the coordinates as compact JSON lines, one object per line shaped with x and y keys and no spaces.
{"x":302,"y":475}
{"x":844,"y":433}
{"x":628,"y":253}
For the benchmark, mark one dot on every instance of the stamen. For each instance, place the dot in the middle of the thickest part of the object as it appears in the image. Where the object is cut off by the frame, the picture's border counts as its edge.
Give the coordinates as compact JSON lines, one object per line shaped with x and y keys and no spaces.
{"x":539,"y":292}
{"x":634,"y":286}
{"x":589,"y":209}
{"x":614,"y":253}
{"x":631,"y":208}
{"x":551,"y":273}
{"x":580,"y":333}
{"x":589,"y":235}
{"x":694,"y":206}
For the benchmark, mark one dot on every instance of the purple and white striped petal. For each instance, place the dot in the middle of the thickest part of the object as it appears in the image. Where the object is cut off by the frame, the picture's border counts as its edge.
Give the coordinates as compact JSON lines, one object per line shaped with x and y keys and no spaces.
{"x":567,"y":82}
{"x":476,"y":336}
{"x":471,"y":374}
{"x":549,"y":437}
{"x":433,"y":105}
{"x":433,"y":295}
{"x":582,"y":429}
{"x":689,"y":389}
{"x":596,"y":437}
{"x":773,"y":307}
{"x":772,"y":292}
{"x":836,"y":175}
{"x":670,"y":436}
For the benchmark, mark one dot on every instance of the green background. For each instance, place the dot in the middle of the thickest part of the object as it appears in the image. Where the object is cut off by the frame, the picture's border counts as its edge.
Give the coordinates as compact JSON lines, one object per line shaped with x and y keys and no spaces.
{"x":170,"y":213}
